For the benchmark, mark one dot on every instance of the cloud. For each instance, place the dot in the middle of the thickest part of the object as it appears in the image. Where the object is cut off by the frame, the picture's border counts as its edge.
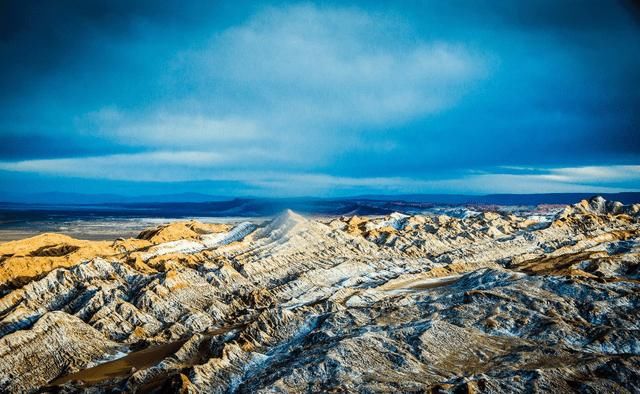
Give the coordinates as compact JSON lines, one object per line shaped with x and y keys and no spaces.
{"x":164,"y":166}
{"x":174,"y":130}
{"x":584,"y":174}
{"x":161,"y":166}
{"x":340,"y":65}
{"x":350,"y":96}
{"x":305,"y":81}
{"x":183,"y":166}
{"x":596,"y":174}
{"x":148,"y":166}
{"x":591,"y":179}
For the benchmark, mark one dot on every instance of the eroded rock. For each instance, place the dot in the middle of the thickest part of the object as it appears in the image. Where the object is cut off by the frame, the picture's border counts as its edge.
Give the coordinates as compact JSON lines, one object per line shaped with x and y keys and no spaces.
{"x":488,"y":302}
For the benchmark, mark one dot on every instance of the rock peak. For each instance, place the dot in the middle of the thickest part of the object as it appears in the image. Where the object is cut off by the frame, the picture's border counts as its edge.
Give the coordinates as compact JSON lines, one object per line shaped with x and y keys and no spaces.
{"x":282,"y":224}
{"x":598,"y":205}
{"x":289,"y":216}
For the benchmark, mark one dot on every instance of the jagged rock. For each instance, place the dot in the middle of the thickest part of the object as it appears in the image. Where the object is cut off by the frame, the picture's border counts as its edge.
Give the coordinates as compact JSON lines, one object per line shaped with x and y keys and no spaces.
{"x":181,"y":230}
{"x":484,"y":301}
{"x":57,"y":344}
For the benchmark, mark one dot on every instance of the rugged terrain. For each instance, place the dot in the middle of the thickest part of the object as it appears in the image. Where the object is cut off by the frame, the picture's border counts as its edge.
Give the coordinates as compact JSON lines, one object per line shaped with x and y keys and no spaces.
{"x":489,"y":302}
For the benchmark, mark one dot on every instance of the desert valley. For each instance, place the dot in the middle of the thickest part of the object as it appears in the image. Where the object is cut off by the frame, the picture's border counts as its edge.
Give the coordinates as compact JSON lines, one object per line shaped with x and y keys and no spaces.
{"x":491,"y":301}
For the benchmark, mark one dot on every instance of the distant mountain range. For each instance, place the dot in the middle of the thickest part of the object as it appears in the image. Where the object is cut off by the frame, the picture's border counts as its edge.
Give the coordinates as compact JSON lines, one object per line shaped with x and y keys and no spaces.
{"x":194,"y":204}
{"x":499,"y":199}
{"x":507,"y":199}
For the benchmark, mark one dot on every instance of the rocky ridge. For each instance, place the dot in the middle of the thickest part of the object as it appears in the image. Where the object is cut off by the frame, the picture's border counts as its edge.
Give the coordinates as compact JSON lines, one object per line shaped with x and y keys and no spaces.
{"x":492,"y":302}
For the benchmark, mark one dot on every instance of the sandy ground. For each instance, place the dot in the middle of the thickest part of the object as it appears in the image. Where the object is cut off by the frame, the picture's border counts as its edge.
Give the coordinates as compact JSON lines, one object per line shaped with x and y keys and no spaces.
{"x":102,"y":229}
{"x":128,"y":364}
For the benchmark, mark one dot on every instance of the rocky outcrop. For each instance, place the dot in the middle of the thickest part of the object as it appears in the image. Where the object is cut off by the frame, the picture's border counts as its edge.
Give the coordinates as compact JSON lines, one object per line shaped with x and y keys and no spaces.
{"x":181,"y":231}
{"x":489,"y":302}
{"x":57,"y":344}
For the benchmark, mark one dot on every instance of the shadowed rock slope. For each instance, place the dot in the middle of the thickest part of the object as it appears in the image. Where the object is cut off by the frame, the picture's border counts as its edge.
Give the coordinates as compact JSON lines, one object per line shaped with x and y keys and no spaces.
{"x":494,"y":302}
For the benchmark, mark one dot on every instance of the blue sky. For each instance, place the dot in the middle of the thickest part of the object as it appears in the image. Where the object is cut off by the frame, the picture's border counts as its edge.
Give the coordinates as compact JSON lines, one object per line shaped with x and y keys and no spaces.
{"x":319,"y":98}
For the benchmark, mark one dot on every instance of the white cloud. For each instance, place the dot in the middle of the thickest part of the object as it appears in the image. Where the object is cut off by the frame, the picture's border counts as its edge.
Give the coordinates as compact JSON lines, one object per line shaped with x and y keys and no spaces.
{"x":148,"y":166}
{"x":166,"y":129}
{"x":596,"y":174}
{"x":304,"y":81}
{"x":338,"y":66}
{"x":586,"y":179}
{"x":165,"y":166}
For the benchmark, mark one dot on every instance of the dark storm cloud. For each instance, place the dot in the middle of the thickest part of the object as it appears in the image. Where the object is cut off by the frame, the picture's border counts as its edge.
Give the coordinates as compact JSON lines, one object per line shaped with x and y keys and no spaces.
{"x":40,"y":37}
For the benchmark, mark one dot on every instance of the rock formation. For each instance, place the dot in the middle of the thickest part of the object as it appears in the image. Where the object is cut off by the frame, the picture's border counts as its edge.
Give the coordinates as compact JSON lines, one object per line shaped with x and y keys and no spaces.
{"x":488,"y":302}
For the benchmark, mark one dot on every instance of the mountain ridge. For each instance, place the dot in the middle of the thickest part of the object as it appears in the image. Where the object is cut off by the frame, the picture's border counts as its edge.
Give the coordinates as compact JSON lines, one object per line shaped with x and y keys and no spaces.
{"x":493,"y":301}
{"x":67,"y":198}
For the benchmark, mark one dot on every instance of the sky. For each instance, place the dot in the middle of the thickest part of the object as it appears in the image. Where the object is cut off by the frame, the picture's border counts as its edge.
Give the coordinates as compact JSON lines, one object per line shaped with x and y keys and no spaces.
{"x":328,"y":98}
